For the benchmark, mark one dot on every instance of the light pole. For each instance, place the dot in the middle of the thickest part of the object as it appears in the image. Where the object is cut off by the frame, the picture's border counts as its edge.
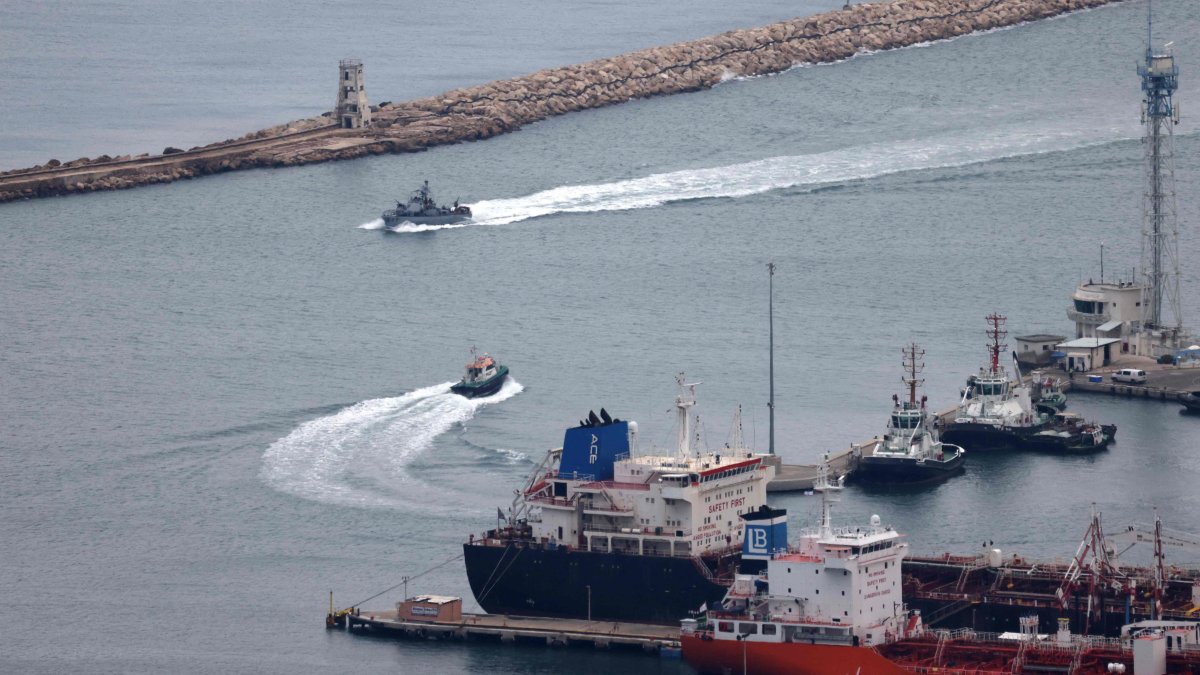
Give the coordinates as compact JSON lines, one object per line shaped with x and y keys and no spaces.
{"x":771,"y":369}
{"x":589,"y":591}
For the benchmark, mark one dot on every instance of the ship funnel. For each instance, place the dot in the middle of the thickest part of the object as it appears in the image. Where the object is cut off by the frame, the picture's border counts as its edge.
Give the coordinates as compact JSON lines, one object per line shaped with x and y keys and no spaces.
{"x":589,"y":452}
{"x":765,"y":533}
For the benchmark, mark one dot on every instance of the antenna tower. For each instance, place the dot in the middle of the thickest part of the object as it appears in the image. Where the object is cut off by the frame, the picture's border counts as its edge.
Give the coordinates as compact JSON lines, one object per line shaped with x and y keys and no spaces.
{"x":997,"y":333}
{"x":913,"y":365}
{"x":1160,"y":232}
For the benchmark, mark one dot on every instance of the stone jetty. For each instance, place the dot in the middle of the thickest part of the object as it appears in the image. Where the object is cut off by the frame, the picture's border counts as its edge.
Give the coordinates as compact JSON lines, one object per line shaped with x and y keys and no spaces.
{"x":479,"y":112}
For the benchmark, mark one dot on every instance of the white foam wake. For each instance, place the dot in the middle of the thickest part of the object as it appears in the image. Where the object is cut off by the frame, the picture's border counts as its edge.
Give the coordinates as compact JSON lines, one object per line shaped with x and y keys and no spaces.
{"x":376,"y":224}
{"x":774,"y":173}
{"x":358,"y":455}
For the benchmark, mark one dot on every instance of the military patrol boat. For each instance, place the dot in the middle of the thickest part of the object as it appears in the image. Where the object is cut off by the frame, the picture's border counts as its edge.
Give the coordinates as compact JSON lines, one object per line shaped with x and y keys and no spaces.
{"x":422,"y":210}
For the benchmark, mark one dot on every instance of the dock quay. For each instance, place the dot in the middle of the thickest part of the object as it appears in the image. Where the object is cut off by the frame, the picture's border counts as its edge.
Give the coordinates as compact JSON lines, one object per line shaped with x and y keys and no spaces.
{"x":502,"y":106}
{"x":1164,"y":382}
{"x":518,"y":630}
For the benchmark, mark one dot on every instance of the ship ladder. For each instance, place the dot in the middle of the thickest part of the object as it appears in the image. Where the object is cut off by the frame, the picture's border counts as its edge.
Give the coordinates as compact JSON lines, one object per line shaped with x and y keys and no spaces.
{"x":1018,"y":664}
{"x":948,"y":611}
{"x":1077,"y":660}
{"x":965,"y":575}
{"x":698,"y":563}
{"x":940,"y":652}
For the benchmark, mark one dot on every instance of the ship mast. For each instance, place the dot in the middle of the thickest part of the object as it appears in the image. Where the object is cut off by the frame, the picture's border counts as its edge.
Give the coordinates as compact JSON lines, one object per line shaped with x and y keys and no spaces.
{"x":997,"y":333}
{"x":912,"y":366}
{"x":829,"y":490}
{"x":738,"y":441}
{"x":685,"y":400}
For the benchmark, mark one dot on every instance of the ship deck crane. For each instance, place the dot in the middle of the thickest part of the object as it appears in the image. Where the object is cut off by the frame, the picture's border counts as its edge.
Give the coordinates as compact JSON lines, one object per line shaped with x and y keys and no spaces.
{"x":1159,"y":537}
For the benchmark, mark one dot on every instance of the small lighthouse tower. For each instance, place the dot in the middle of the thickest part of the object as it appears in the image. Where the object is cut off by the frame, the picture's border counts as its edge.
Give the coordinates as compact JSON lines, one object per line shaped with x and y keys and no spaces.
{"x":352,"y":110}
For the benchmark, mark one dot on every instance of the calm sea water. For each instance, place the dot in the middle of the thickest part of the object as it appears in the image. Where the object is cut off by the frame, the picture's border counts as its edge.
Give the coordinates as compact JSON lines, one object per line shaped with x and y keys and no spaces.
{"x":223,"y":398}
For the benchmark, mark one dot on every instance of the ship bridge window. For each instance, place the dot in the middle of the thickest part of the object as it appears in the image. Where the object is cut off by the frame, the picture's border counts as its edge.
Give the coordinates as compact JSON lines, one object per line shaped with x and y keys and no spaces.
{"x":1089,"y":307}
{"x":768,"y":629}
{"x":991,"y":388}
{"x":904,"y":421}
{"x":748,"y":628}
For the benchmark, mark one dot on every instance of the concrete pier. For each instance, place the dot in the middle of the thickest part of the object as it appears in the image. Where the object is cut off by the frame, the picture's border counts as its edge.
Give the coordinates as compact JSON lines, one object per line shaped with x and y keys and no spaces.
{"x":1163,"y":382}
{"x":480,"y":112}
{"x":521,"y":629}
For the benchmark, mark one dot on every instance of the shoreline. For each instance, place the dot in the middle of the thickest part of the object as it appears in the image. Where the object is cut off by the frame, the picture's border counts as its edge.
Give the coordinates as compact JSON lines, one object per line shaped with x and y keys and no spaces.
{"x":502,"y":106}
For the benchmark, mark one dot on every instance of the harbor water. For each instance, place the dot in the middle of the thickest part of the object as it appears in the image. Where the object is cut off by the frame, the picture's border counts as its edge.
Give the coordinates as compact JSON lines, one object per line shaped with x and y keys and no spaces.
{"x":222,"y":398}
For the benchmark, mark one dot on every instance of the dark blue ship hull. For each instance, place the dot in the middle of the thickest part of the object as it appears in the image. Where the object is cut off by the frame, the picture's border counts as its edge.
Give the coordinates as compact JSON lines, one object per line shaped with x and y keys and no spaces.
{"x":536,"y":581}
{"x":907,"y":469}
{"x":986,"y":437}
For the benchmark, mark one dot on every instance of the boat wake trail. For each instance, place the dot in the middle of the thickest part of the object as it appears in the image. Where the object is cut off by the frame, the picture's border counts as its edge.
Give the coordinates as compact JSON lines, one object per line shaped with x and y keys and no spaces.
{"x":376,"y":224}
{"x":774,"y":173}
{"x":359,"y":455}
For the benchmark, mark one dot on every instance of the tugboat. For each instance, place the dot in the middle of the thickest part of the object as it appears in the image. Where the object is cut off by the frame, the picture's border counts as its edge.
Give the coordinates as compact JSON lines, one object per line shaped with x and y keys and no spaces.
{"x":483,"y":378}
{"x":1190,"y":401}
{"x":1049,"y":396}
{"x":910,"y":450}
{"x":1069,"y":433}
{"x":422,"y":210}
{"x":604,"y":532}
{"x":996,"y":410}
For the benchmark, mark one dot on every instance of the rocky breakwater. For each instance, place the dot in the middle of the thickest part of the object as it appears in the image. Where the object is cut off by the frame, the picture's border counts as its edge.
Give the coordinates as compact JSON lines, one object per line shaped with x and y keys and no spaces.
{"x":479,"y":112}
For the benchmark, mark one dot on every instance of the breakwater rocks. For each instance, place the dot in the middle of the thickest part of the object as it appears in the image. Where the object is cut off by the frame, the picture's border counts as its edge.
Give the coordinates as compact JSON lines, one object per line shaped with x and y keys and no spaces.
{"x":483,"y":111}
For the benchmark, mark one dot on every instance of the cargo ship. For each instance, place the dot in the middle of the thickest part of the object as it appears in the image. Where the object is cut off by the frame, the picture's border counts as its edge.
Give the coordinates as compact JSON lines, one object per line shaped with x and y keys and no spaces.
{"x":604,"y":531}
{"x":992,"y":590}
{"x":833,"y":604}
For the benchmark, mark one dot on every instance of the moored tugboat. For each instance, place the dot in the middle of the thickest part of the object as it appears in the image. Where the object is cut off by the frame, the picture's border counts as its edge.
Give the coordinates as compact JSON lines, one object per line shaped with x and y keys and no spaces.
{"x":910,"y":451}
{"x":996,"y":410}
{"x":1190,"y":401}
{"x":483,"y":377}
{"x":603,"y":531}
{"x":1069,"y":433}
{"x":1049,"y":396}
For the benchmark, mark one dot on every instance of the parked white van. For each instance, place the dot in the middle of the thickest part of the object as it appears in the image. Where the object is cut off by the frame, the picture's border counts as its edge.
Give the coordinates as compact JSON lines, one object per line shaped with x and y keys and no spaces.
{"x":1132,"y":375}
